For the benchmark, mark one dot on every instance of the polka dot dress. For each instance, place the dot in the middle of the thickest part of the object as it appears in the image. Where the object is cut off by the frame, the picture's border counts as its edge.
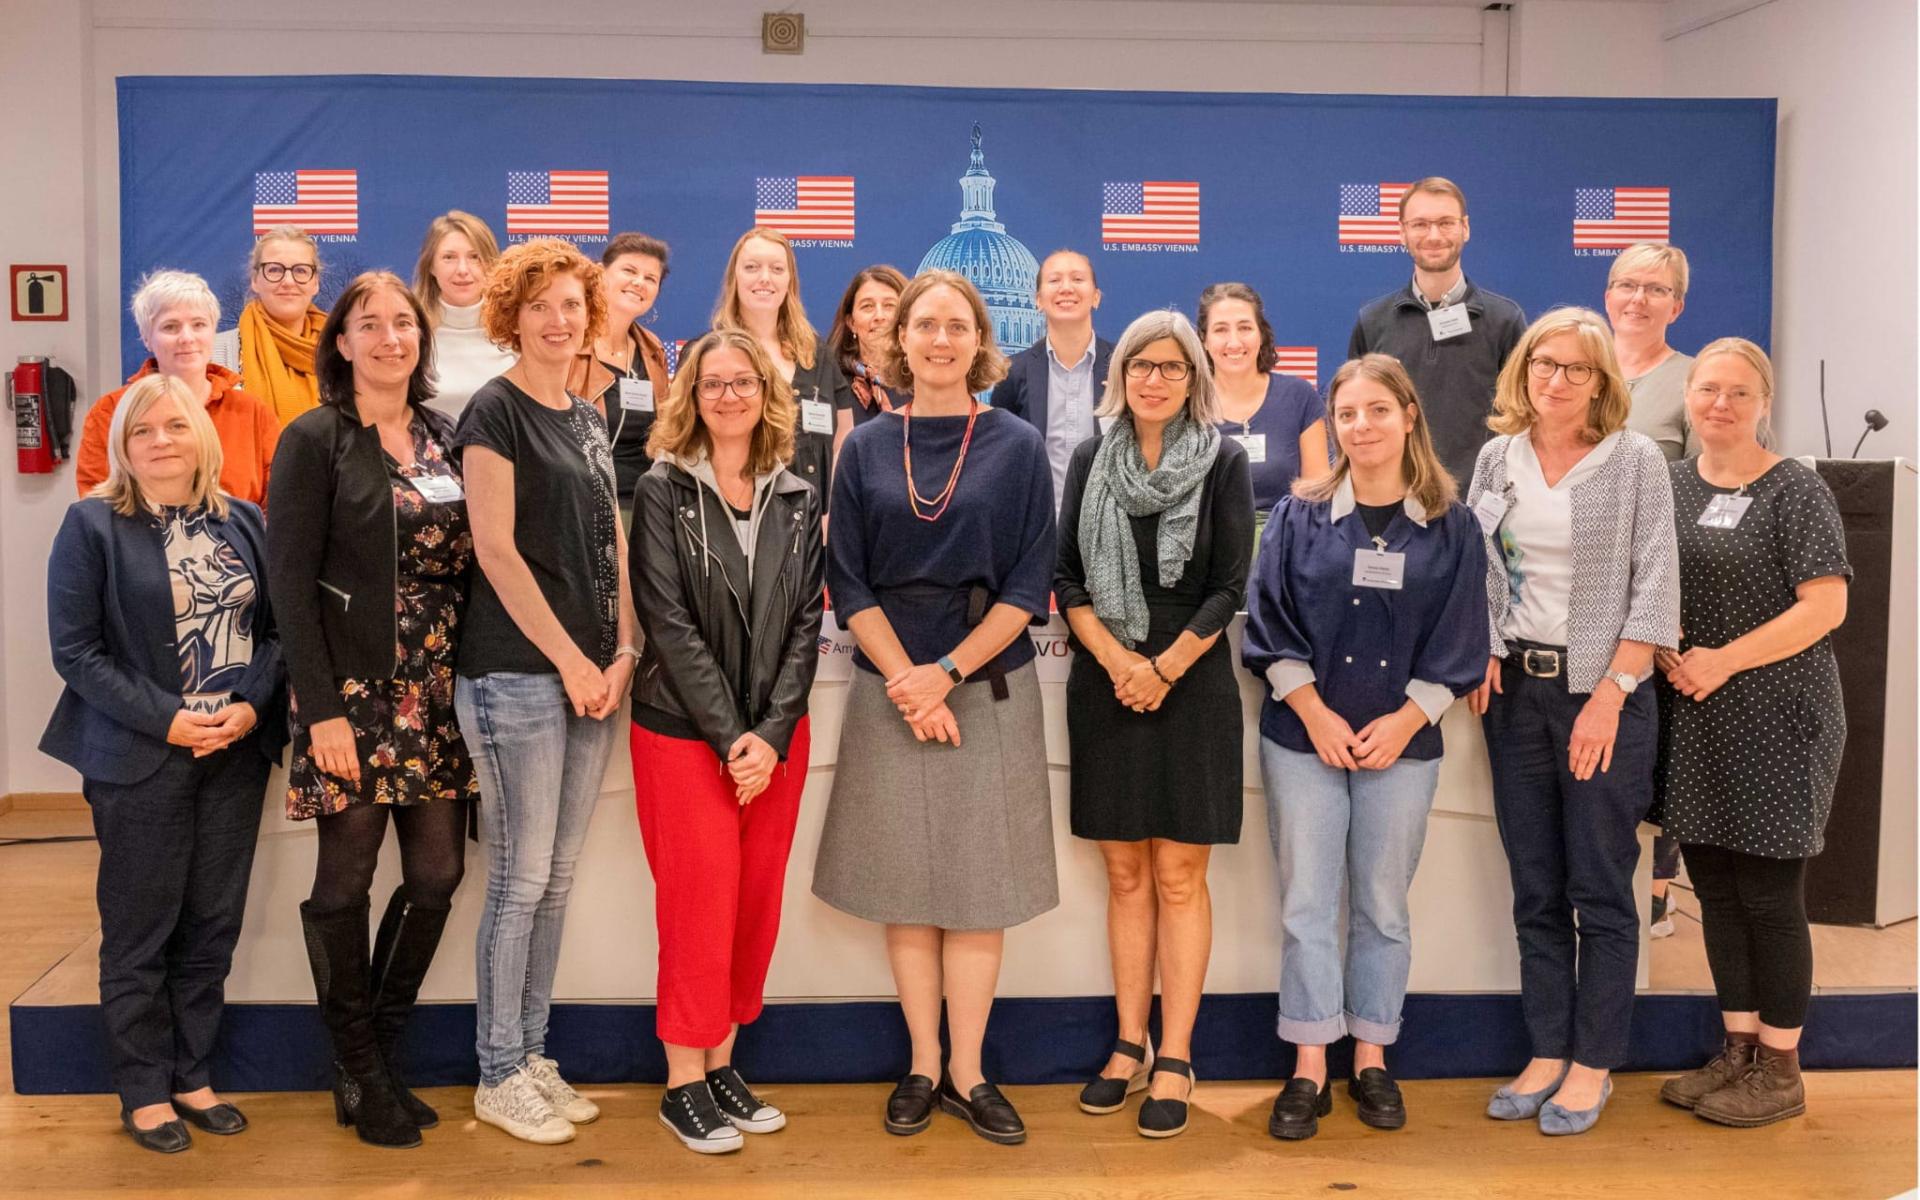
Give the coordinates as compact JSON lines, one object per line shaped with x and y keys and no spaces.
{"x":1752,"y":767}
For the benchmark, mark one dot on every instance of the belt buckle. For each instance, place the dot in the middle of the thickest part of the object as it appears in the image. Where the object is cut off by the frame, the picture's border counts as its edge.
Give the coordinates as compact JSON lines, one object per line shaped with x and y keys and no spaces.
{"x":1541,"y":664}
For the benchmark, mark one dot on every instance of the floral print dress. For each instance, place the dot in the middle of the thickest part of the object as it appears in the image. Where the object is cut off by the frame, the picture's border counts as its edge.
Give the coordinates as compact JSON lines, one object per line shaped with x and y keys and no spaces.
{"x":404,"y":731}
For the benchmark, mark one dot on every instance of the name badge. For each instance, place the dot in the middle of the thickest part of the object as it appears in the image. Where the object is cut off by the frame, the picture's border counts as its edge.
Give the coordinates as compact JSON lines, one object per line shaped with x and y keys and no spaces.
{"x":1490,"y":509}
{"x":437,"y":489}
{"x":1379,"y":569}
{"x":636,"y":395}
{"x":1449,"y":322}
{"x":1256,"y":444}
{"x":816,"y":416}
{"x":1724,"y":512}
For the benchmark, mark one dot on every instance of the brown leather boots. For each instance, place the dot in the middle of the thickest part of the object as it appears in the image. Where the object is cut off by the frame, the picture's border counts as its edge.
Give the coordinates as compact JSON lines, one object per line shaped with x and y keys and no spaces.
{"x":1746,"y":1085}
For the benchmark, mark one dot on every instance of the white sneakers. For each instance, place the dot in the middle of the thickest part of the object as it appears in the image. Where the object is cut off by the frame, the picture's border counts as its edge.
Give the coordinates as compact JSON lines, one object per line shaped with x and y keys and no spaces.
{"x":516,"y":1105}
{"x":558,"y":1092}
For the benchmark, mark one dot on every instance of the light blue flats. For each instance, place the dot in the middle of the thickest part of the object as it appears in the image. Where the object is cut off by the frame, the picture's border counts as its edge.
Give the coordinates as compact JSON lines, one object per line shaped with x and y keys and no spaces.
{"x":1560,"y":1122}
{"x":1509,"y":1105}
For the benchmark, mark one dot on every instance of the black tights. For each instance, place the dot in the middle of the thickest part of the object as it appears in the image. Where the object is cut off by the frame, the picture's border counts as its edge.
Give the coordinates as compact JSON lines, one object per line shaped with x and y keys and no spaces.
{"x":1753,"y":915}
{"x":432,"y":852}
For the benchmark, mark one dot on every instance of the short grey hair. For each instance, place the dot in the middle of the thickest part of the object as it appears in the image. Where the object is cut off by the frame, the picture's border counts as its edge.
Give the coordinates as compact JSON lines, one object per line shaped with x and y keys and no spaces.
{"x":166,"y":289}
{"x":1203,"y":403}
{"x":281,"y":233}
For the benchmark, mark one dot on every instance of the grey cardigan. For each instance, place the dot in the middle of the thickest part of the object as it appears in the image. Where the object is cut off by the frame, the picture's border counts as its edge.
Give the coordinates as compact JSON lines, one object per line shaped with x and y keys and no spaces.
{"x":1626,"y":557}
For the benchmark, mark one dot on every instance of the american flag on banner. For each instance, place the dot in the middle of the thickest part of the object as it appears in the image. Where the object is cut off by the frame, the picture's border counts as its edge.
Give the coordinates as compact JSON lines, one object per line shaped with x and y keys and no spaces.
{"x":1155,"y":211}
{"x":557,"y":202}
{"x":1302,"y":362}
{"x":316,"y":201}
{"x":673,"y":350}
{"x":1370,"y":213}
{"x":1615,"y":218}
{"x":806,"y":206}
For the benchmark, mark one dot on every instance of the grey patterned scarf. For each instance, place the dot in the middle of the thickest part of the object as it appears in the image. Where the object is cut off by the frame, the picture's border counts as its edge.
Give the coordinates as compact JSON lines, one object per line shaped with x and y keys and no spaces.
{"x":1120,"y":486}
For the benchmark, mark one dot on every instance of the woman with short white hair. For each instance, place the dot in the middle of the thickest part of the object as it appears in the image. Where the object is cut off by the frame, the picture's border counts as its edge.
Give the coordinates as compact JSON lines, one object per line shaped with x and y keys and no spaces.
{"x":1646,"y":293}
{"x":273,"y":345}
{"x":176,"y":313}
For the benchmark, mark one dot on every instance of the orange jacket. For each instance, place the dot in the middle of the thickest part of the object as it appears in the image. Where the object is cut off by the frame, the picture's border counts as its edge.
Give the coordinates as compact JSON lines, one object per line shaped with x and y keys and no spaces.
{"x":246,"y":425}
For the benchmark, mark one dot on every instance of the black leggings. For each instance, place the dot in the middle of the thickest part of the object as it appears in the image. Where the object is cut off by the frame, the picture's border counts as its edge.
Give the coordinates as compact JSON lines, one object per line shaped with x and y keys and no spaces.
{"x":1754,"y":916}
{"x":432,"y":854}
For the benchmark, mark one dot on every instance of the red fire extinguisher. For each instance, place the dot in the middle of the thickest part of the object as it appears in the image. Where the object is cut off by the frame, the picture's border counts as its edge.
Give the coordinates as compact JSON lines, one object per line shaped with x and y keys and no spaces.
{"x":41,"y":396}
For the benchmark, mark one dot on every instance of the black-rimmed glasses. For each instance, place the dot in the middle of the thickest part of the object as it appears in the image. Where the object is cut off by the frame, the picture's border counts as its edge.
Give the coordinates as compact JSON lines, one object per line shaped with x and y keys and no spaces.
{"x":274,"y":272}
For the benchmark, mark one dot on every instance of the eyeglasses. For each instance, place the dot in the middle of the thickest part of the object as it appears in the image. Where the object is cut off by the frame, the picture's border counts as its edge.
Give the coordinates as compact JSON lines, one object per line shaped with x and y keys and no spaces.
{"x":1626,"y":289}
{"x":1445,"y":227}
{"x":746,"y":387}
{"x":1173,"y":372}
{"x":1735,"y":396}
{"x":1544,"y":368}
{"x":274,"y":272}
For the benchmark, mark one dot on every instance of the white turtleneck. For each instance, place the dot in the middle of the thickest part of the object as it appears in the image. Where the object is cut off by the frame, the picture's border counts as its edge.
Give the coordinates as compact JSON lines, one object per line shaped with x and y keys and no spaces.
{"x":463,"y":358}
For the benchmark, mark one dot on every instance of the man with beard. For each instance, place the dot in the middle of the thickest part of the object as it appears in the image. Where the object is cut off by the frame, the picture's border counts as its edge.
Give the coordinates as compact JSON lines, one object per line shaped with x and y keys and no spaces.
{"x":1056,"y":383}
{"x":1451,"y":336}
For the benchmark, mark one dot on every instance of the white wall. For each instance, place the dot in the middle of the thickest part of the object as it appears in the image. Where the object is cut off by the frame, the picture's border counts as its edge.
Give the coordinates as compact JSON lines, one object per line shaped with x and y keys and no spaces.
{"x":1844,"y":198}
{"x":1845,"y":78}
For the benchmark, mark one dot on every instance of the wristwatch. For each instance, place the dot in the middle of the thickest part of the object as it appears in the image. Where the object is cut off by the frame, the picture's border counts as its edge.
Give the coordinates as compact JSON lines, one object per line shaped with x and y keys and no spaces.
{"x":1625,"y":681}
{"x":953,"y":672}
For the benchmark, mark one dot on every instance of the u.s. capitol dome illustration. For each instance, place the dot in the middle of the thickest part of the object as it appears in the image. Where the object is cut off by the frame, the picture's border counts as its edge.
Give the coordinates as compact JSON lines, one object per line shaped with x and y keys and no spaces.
{"x":992,"y":259}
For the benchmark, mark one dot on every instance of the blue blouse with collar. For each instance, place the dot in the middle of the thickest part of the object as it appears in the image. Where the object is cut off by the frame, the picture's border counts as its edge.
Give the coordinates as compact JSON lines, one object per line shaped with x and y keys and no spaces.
{"x":1367,"y":650}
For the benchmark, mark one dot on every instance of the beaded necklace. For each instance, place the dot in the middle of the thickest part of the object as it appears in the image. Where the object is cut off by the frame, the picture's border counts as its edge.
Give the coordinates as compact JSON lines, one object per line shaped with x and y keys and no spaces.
{"x":914,"y":499}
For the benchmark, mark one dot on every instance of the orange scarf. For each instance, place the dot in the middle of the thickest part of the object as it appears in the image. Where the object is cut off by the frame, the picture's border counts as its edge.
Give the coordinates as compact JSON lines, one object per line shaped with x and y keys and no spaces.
{"x":276,"y":364}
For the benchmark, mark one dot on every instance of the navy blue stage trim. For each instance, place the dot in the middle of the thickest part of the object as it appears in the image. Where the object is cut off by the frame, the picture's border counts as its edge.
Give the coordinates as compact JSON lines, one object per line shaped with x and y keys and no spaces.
{"x":282,"y":1047}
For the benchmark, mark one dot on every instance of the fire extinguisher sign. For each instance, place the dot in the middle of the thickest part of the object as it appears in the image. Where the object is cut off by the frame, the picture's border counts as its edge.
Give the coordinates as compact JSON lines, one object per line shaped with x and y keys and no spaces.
{"x":39,"y":291}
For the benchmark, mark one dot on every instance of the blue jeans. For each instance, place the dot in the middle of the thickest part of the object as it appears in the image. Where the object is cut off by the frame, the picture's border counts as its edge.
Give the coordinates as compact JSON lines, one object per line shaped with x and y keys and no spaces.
{"x":1361,"y":830}
{"x":540,"y":770}
{"x":1571,"y":849}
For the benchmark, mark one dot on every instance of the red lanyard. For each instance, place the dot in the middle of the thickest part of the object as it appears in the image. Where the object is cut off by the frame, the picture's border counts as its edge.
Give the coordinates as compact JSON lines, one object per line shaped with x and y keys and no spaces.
{"x":914,"y":499}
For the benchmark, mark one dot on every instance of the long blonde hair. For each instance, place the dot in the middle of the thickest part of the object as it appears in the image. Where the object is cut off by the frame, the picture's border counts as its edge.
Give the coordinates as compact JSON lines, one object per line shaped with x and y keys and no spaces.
{"x":1427,"y":479}
{"x":795,"y":333}
{"x":120,"y":489}
{"x":1513,"y":411}
{"x":474,"y":230}
{"x":679,"y":432}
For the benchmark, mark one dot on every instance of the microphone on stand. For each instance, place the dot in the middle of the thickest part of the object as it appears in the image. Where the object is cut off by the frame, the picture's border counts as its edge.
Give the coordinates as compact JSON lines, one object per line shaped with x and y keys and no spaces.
{"x":1876,"y":421}
{"x":1826,"y":426}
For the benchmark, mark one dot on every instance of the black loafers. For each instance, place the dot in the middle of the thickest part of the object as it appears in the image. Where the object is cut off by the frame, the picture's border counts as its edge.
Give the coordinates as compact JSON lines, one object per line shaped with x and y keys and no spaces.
{"x":989,"y":1113}
{"x":170,"y":1138}
{"x":1379,"y":1099}
{"x":1298,"y":1109}
{"x":223,"y":1119}
{"x":1104,"y":1095}
{"x":910,"y":1106}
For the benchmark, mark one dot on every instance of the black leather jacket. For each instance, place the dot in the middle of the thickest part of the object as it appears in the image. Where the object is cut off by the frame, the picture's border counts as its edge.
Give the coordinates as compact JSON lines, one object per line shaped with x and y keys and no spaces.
{"x":722,"y":659}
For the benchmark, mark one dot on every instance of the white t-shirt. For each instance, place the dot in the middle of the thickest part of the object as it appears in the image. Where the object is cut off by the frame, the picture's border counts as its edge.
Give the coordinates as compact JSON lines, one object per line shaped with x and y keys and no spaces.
{"x":1536,"y":540}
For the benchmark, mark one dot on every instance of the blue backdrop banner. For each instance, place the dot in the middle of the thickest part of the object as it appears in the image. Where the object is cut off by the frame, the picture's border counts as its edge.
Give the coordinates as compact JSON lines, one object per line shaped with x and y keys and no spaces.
{"x":1166,"y":192}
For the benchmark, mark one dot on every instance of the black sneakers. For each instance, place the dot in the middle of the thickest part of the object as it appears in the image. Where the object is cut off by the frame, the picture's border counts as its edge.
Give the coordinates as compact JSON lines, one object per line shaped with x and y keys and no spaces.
{"x":739,"y":1106}
{"x":694,"y":1118}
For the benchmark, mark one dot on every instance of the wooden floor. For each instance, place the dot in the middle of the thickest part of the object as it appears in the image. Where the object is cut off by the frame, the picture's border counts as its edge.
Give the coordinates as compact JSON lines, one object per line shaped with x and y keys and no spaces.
{"x":1857,"y":1139}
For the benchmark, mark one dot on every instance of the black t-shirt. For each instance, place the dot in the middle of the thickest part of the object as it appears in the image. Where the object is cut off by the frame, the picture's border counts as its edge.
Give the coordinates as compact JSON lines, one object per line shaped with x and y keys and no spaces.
{"x":564,"y":526}
{"x":1376,"y":517}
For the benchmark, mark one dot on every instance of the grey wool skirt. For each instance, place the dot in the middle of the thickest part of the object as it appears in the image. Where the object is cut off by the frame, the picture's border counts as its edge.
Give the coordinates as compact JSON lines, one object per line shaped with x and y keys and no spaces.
{"x":923,"y":833}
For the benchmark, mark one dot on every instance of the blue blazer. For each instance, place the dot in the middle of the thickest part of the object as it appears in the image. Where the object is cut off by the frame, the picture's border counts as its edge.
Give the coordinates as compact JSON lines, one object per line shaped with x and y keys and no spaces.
{"x":1024,"y":390}
{"x":110,"y":621}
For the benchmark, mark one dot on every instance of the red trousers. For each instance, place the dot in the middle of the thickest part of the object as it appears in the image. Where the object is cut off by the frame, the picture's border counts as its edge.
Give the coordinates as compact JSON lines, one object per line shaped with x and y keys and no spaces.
{"x":719,"y":869}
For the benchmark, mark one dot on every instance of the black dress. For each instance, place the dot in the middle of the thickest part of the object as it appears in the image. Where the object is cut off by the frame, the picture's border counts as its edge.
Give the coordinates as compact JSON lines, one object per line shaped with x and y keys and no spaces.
{"x":1175,"y":773}
{"x":1752,"y":767}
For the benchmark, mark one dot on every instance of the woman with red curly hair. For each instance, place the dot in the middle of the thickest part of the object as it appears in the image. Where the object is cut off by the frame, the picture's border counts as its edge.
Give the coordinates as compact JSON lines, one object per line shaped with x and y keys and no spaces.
{"x":544,"y":661}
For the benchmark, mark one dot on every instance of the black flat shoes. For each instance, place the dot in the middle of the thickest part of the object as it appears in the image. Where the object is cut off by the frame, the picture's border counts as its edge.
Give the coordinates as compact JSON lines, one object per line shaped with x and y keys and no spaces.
{"x":170,"y":1138}
{"x":986,"y":1111}
{"x":1104,"y":1095}
{"x":223,"y":1118}
{"x":1298,"y":1108}
{"x":1165,"y":1118}
{"x":910,"y":1106}
{"x":1379,"y":1099}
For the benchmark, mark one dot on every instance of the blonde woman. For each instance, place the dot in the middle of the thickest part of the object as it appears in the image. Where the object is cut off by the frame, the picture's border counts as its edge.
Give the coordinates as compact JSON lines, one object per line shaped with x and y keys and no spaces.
{"x":1367,"y":617}
{"x":173,"y":714}
{"x":272,"y":347}
{"x":1583,"y":586}
{"x":760,"y":294}
{"x":450,"y":278}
